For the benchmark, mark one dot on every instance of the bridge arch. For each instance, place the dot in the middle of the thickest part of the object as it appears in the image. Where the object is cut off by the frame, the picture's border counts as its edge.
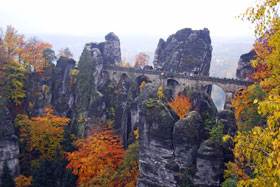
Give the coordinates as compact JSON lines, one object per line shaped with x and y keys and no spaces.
{"x":142,"y":78}
{"x":115,"y":76}
{"x":124,"y":76}
{"x":174,"y":85}
{"x":105,"y":75}
{"x":217,"y":93}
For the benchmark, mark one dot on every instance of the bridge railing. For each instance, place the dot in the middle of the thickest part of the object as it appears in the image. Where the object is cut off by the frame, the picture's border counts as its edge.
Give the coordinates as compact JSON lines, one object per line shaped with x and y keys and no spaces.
{"x":166,"y":75}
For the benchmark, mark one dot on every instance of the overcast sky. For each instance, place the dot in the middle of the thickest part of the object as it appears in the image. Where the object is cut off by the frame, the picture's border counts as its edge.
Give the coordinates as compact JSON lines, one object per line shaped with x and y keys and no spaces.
{"x":125,"y":17}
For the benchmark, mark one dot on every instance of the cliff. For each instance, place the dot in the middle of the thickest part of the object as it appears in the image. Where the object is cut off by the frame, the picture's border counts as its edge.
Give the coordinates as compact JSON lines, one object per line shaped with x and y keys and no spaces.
{"x":187,"y":51}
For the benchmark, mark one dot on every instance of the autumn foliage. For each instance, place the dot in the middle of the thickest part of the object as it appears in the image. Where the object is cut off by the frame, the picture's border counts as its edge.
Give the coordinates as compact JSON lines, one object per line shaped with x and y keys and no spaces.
{"x":181,"y":105}
{"x":257,"y":143}
{"x":22,"y":181}
{"x":97,"y":159}
{"x":42,"y":134}
{"x":27,"y":53}
{"x":18,"y":58}
{"x":141,"y":60}
{"x":129,"y":169}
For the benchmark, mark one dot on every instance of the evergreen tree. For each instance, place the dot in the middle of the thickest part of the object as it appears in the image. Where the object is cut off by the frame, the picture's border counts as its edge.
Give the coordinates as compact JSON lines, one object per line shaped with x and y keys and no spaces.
{"x":42,"y":176}
{"x":6,"y":176}
{"x":85,"y":80}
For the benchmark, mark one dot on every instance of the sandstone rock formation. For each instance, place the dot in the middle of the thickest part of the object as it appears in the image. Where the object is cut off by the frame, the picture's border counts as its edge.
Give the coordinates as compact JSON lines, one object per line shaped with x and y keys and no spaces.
{"x":173,"y":150}
{"x":63,"y":92}
{"x":9,"y":147}
{"x":244,"y":68}
{"x":110,"y":49}
{"x":187,"y":51}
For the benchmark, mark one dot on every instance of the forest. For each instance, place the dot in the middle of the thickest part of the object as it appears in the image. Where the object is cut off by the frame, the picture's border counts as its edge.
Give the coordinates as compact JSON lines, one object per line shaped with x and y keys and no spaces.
{"x":66,"y":149}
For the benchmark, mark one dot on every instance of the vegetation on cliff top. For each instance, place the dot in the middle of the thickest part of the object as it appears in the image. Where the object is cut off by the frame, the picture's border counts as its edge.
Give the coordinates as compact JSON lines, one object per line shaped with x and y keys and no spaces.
{"x":257,"y":143}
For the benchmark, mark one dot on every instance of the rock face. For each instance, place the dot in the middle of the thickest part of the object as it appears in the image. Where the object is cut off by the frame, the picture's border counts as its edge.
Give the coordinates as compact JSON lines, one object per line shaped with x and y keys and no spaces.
{"x":9,"y":147}
{"x":187,"y":51}
{"x":209,"y":165}
{"x":110,"y":49}
{"x":174,"y":151}
{"x":63,"y":92}
{"x":227,"y":118}
{"x":245,"y":70}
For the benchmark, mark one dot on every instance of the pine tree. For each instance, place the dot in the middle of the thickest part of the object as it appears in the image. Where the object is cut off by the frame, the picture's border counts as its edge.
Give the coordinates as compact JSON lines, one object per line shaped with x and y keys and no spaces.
{"x":85,"y":80}
{"x":6,"y":176}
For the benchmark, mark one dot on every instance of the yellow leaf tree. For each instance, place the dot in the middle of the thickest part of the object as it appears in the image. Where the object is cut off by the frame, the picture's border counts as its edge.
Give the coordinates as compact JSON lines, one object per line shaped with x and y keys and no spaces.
{"x":43,"y":134}
{"x":256,"y":151}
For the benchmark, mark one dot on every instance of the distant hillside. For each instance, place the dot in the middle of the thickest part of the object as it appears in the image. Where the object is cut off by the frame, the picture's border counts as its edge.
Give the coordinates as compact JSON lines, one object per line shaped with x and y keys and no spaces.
{"x":226,"y":54}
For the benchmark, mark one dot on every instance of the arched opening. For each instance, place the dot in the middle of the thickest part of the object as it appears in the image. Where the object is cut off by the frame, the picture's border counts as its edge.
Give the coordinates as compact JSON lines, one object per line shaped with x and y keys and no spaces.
{"x":174,"y":85}
{"x":138,"y":84}
{"x":218,"y":96}
{"x":115,"y":76}
{"x":142,"y":78}
{"x":124,"y":76}
{"x":124,"y":83}
{"x":105,"y":75}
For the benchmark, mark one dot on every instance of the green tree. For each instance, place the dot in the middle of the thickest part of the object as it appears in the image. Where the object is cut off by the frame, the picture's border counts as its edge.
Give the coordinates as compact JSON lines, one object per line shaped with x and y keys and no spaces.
{"x":6,"y":176}
{"x":65,"y":52}
{"x":216,"y":133}
{"x":49,"y":56}
{"x":85,"y":81}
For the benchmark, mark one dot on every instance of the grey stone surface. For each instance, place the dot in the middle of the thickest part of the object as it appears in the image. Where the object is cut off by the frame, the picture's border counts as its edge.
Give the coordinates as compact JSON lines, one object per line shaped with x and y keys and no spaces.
{"x":62,"y":92}
{"x":186,"y":139}
{"x":9,"y":148}
{"x":244,"y":66}
{"x":187,"y":51}
{"x":110,"y":49}
{"x":209,"y":165}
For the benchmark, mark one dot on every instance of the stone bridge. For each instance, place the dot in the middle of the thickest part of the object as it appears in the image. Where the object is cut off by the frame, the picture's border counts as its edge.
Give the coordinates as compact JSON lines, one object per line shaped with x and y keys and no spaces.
{"x":179,"y":80}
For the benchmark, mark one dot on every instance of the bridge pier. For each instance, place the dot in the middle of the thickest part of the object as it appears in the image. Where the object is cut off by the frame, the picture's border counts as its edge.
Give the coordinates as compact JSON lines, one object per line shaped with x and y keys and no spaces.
{"x":229,"y":98}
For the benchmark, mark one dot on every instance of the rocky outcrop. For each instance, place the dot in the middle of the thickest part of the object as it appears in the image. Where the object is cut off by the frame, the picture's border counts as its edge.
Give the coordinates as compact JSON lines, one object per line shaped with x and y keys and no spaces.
{"x":245,"y":70}
{"x":209,"y":165}
{"x":174,"y":151}
{"x":9,"y":147}
{"x":187,"y":50}
{"x":227,"y":119}
{"x":63,"y":86}
{"x":156,"y":161}
{"x":110,"y":49}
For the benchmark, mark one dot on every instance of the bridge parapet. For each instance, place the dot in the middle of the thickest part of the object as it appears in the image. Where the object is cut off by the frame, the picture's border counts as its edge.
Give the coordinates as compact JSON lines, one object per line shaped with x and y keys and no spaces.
{"x":167,"y":75}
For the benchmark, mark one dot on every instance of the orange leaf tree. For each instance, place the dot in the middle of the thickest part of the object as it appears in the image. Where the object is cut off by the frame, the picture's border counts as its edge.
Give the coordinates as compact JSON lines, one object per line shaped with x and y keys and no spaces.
{"x":129,"y":169}
{"x":141,"y":60}
{"x":33,"y":56}
{"x":97,"y":159}
{"x":181,"y":105}
{"x":22,"y":181}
